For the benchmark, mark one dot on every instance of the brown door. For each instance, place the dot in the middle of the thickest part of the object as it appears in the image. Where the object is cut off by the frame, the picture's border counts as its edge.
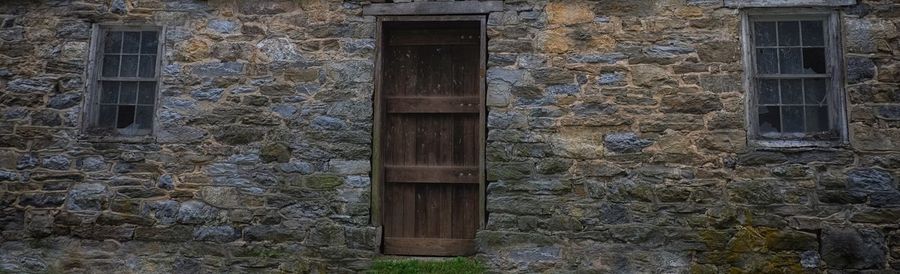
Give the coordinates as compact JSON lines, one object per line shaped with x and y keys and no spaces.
{"x":432,"y":113}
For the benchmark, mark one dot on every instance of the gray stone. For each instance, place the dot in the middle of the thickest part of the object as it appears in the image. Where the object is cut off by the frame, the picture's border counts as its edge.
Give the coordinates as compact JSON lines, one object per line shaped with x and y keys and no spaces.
{"x":13,"y":113}
{"x":8,"y":176}
{"x":563,"y":89}
{"x":87,"y":196}
{"x":809,"y":259}
{"x":187,"y":265}
{"x":524,"y":257}
{"x":279,"y":50}
{"x":610,"y":58}
{"x":612,"y":213}
{"x":612,"y":79}
{"x":196,"y":212}
{"x":166,"y":212}
{"x":166,"y":181}
{"x":42,"y":199}
{"x":218,"y":69}
{"x":296,"y":167}
{"x":118,"y":6}
{"x":669,"y":49}
{"x":509,"y":76}
{"x":34,"y":85}
{"x":328,"y":123}
{"x":46,"y":117}
{"x":208,"y":94}
{"x":850,"y":248}
{"x":859,"y":69}
{"x":344,"y":74}
{"x":721,"y":83}
{"x":625,"y":142}
{"x":272,"y":233}
{"x":180,"y":135}
{"x":349,"y":167}
{"x":57,"y":162}
{"x":27,"y":160}
{"x":326,"y":234}
{"x":222,"y":26}
{"x":870,"y":180}
{"x":64,"y":101}
{"x":222,"y":234}
{"x":93,"y":163}
{"x":891,"y":112}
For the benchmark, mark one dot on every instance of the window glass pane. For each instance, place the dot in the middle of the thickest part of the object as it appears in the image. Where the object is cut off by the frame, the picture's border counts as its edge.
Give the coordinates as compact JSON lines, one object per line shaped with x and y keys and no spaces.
{"x":126,"y":116}
{"x":813,"y":33}
{"x":128,"y":94}
{"x":789,"y":33}
{"x":131,"y":42}
{"x":792,"y":119}
{"x":768,"y":91}
{"x":110,"y":66}
{"x":791,"y":91}
{"x":789,"y":60}
{"x":764,"y":33}
{"x":147,"y":93}
{"x":148,"y":42}
{"x":107,"y":116}
{"x":814,"y":90}
{"x":112,"y":43}
{"x":766,"y":61}
{"x":148,"y":66}
{"x":109,"y":92}
{"x":129,"y":66}
{"x":144,"y":117}
{"x":814,"y":60}
{"x":769,"y":119}
{"x":817,"y":119}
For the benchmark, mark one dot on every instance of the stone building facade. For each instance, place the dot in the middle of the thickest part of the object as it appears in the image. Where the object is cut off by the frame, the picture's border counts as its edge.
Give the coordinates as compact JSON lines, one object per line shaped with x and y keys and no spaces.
{"x":617,"y":141}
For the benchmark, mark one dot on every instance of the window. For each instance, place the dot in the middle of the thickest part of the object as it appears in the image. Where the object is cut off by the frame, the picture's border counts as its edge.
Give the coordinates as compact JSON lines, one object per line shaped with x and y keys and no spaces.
{"x":126,"y":73}
{"x":794,"y":78}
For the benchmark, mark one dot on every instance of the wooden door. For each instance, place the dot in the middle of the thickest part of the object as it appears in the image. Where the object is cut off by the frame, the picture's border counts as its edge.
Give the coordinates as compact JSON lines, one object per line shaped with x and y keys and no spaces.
{"x":431,"y":106}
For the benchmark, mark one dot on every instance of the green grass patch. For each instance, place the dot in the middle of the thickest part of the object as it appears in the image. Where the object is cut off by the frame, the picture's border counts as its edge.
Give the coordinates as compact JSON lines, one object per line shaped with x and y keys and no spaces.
{"x":456,"y":265}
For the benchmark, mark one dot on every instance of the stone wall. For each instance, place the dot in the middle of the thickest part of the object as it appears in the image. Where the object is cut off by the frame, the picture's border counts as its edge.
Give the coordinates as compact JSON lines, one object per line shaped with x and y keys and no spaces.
{"x":616,"y":143}
{"x":262,"y":154}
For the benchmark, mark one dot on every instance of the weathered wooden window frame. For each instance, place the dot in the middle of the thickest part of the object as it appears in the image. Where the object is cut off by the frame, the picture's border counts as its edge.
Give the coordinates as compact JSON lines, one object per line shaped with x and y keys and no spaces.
{"x":92,"y":87}
{"x":834,"y":68}
{"x":378,"y":101}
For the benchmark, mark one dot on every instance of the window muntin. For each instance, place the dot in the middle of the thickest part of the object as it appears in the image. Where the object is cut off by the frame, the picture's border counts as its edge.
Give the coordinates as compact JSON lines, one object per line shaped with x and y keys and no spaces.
{"x":792,"y":78}
{"x":126,"y":80}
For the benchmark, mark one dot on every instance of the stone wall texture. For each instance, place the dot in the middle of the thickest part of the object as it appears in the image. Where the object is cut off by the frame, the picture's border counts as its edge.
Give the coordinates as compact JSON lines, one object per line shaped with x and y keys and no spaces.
{"x":616,"y":143}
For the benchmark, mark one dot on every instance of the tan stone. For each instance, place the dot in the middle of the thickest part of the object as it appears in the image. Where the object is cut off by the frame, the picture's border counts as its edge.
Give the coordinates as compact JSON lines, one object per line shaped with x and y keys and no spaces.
{"x":193,"y":50}
{"x":603,"y":43}
{"x":648,"y":75}
{"x":688,"y":12}
{"x":869,"y":138}
{"x":557,"y":41}
{"x":569,"y":12}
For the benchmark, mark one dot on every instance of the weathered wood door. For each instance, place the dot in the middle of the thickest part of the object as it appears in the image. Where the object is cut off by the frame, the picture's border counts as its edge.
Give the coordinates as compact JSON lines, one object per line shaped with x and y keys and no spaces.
{"x":431,"y":134}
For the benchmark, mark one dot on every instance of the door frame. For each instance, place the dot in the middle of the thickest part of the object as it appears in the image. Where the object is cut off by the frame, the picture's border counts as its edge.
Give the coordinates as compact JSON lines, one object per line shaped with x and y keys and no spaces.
{"x":377,"y":196}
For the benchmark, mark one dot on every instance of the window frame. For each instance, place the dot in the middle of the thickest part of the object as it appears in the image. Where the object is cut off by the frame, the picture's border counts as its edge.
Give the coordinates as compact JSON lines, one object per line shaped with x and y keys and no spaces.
{"x":91,"y":104}
{"x":835,"y":71}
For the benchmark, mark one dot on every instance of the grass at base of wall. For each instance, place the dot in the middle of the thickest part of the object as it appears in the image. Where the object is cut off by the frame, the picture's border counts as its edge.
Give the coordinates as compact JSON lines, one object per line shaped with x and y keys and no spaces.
{"x":457,"y":265}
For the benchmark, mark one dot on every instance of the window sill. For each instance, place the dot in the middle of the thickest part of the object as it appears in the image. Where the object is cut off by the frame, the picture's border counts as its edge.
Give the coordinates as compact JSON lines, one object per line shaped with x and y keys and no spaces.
{"x":787,"y":3}
{"x":143,"y":139}
{"x":762,"y":144}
